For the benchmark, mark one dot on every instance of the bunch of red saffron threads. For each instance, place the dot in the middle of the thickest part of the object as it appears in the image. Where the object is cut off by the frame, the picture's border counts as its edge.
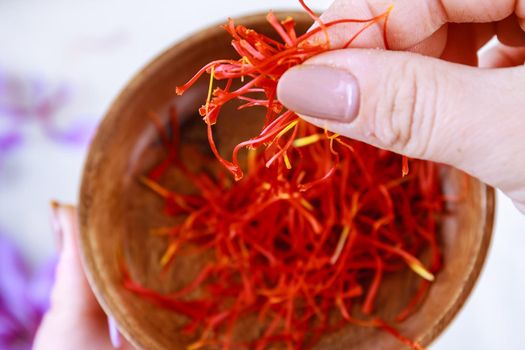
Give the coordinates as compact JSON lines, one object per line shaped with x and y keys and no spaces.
{"x":309,"y":232}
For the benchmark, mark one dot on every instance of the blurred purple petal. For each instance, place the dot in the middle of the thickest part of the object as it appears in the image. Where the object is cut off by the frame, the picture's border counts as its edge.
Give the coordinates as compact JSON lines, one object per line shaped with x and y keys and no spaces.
{"x":41,"y":284}
{"x":19,"y":342}
{"x":9,"y":141}
{"x":24,"y":296}
{"x":7,"y":326}
{"x":23,"y":299}
{"x":30,"y":98}
{"x":22,"y":345}
{"x":14,"y":338}
{"x":15,"y":101}
{"x":78,"y":133}
{"x":49,"y":105}
{"x":2,"y":81}
{"x":14,"y":278}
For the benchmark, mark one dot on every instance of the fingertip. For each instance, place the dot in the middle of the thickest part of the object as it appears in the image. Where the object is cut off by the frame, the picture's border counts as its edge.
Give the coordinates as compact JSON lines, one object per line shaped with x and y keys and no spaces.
{"x":500,"y":56}
{"x":320,"y":91}
{"x":434,"y":45}
{"x":71,"y":292}
{"x":64,"y":224}
{"x":114,"y":333}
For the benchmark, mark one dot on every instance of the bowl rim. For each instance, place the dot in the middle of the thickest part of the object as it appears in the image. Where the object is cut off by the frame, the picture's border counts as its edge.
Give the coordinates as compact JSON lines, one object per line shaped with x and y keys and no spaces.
{"x":93,"y":275}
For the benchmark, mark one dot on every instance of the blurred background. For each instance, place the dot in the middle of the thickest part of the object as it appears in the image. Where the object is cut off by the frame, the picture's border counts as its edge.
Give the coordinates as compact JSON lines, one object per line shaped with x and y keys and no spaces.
{"x":61,"y":64}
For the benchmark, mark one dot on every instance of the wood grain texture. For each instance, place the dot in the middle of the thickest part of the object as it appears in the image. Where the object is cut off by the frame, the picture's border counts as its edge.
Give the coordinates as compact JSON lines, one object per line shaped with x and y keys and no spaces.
{"x":116,"y":212}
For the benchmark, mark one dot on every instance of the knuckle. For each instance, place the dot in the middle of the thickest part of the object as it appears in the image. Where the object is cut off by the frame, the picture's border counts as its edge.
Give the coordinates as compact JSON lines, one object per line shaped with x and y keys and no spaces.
{"x":406,"y":110}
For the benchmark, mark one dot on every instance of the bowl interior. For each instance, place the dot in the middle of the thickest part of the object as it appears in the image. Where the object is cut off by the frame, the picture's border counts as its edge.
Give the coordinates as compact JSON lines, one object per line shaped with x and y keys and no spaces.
{"x":116,"y":212}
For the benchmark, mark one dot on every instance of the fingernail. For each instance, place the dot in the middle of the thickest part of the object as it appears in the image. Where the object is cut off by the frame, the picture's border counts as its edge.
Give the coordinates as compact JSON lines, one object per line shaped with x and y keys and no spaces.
{"x":62,"y":219}
{"x":114,"y":334}
{"x":56,"y":225}
{"x":320,"y":91}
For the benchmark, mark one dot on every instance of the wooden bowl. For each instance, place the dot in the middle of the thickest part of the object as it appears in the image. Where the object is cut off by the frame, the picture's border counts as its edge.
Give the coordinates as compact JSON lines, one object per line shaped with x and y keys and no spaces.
{"x":116,"y":212}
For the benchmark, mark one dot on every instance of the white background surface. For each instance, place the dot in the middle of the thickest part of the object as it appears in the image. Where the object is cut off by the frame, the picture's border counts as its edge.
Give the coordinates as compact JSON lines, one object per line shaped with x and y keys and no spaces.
{"x":96,"y":46}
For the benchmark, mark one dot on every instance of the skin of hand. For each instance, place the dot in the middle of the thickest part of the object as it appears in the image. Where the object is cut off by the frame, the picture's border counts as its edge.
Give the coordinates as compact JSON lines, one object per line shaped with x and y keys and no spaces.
{"x":75,"y":319}
{"x":428,"y":100}
{"x":431,"y":97}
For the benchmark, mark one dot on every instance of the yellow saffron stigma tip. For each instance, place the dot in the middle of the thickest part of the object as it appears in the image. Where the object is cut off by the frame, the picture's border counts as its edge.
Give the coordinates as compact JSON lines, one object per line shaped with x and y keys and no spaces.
{"x":286,"y":129}
{"x":197,"y":345}
{"x":287,"y":161}
{"x":170,"y":252}
{"x":283,"y":196}
{"x":252,"y":154}
{"x":307,"y":204}
{"x":155,"y":187}
{"x":405,"y":168}
{"x":421,"y":271}
{"x":210,"y":88}
{"x":307,"y":140}
{"x":244,"y":60}
{"x":340,"y":245}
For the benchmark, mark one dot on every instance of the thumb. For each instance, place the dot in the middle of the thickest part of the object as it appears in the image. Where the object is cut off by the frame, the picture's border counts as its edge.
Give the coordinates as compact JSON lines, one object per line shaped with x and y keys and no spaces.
{"x":418,"y":106}
{"x":75,"y":318}
{"x":71,"y":290}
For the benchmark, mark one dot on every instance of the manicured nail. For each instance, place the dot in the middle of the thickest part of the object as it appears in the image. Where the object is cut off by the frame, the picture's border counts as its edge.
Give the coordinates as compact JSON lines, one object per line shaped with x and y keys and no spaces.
{"x":320,"y":91}
{"x":56,"y":225}
{"x":114,"y":334}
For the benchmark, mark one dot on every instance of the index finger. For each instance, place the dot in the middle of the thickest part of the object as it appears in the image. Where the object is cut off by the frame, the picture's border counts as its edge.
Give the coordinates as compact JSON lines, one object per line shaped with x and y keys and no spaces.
{"x":412,"y":22}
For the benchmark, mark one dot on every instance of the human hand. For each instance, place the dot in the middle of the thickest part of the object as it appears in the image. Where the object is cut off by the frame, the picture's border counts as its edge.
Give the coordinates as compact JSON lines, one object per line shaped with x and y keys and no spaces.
{"x":75,"y":319}
{"x":452,"y":109}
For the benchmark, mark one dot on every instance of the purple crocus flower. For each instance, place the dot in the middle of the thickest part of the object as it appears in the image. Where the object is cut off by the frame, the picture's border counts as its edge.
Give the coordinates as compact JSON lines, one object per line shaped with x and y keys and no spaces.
{"x":30,"y":101}
{"x":9,"y":140}
{"x":24,"y":297}
{"x":26,"y":100}
{"x":79,"y":132}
